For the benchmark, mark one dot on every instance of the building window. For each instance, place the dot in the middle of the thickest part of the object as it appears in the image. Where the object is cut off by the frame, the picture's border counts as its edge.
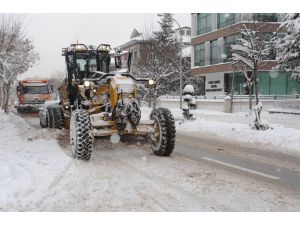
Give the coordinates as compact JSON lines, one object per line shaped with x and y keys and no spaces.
{"x":214,"y":52}
{"x":225,"y":19}
{"x":181,"y":32}
{"x":203,"y":23}
{"x":227,"y":51}
{"x":239,"y":84}
{"x":199,"y":55}
{"x":188,"y":33}
{"x":265,"y":17}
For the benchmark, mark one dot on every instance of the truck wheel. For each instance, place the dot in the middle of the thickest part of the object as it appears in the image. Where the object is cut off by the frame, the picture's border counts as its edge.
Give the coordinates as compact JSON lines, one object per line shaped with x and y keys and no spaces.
{"x":49,"y":117}
{"x":81,"y":137}
{"x":42,"y":124}
{"x":58,"y":117}
{"x":163,"y":140}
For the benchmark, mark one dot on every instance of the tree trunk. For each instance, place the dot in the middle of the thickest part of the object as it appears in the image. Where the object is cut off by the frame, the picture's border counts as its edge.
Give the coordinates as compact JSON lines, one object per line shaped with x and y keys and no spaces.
{"x":6,"y":100}
{"x":4,"y":96}
{"x":258,"y":106}
{"x":250,"y":97}
{"x":256,"y":83}
{"x":1,"y":94}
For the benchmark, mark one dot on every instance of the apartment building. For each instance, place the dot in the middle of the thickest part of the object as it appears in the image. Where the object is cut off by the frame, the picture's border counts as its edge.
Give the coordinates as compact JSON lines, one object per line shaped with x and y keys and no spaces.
{"x":136,"y":44}
{"x":212,"y":37}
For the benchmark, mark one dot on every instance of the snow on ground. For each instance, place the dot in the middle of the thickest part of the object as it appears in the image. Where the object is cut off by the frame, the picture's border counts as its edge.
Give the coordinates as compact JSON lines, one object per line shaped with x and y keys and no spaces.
{"x":26,"y":164}
{"x":37,"y":173}
{"x":238,"y":127}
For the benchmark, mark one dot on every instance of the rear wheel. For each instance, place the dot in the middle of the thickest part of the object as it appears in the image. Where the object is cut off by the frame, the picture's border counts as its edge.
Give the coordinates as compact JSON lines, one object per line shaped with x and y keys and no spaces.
{"x":43,"y":124}
{"x":81,"y":137}
{"x":58,"y":117}
{"x":49,"y":117}
{"x":163,"y":140}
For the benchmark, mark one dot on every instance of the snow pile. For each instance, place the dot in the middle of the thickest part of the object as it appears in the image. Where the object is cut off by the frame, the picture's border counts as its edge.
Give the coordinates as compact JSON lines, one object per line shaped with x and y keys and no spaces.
{"x":26,"y":168}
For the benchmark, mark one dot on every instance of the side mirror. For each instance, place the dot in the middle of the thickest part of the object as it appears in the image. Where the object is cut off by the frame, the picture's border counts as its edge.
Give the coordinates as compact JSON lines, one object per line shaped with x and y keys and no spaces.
{"x":118,"y":61}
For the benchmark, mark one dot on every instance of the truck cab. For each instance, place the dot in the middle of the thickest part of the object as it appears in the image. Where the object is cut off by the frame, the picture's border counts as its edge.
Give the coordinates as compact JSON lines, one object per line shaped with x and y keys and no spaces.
{"x":32,"y":94}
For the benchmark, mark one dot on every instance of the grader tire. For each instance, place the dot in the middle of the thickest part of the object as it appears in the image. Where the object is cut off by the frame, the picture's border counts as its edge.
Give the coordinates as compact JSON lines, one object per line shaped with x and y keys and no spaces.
{"x":165,"y":142}
{"x":81,"y":137}
{"x":49,"y":117}
{"x":58,"y":117}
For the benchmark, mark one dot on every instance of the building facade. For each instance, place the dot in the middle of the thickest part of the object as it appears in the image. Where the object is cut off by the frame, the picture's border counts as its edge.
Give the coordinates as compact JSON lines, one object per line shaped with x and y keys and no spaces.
{"x":136,"y":45}
{"x":212,"y":37}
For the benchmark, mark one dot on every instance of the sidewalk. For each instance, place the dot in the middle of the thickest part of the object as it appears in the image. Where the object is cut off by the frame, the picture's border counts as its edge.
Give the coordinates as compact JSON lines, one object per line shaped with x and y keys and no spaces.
{"x":236,"y":127}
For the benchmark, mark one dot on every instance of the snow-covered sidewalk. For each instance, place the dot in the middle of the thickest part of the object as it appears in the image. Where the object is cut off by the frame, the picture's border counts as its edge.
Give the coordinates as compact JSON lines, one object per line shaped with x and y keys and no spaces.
{"x":237,"y":127}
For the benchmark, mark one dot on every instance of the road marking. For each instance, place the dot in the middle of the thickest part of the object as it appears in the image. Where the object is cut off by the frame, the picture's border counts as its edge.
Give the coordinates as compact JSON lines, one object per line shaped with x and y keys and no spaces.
{"x":241,"y":168}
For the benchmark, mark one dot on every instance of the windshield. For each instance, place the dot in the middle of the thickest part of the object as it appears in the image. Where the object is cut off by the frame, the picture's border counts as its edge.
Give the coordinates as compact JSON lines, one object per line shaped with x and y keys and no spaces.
{"x":82,"y":63}
{"x":93,"y":64}
{"x":36,"y":89}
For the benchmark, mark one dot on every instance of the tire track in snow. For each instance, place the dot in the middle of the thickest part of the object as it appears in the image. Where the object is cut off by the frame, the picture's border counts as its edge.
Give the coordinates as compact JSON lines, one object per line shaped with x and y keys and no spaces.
{"x":174,"y":195}
{"x":58,"y":178}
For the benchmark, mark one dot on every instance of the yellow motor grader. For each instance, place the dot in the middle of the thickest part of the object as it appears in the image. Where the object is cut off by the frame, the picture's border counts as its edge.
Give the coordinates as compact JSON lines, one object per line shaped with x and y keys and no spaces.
{"x":97,"y":103}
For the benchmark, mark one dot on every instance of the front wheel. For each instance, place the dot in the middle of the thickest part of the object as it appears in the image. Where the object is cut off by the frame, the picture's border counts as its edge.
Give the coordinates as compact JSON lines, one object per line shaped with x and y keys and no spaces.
{"x":163,"y":139}
{"x":81,"y":137}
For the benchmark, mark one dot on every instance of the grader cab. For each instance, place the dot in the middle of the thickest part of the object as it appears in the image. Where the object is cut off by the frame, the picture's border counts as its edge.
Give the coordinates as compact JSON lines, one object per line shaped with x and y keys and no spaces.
{"x":95,"y":103}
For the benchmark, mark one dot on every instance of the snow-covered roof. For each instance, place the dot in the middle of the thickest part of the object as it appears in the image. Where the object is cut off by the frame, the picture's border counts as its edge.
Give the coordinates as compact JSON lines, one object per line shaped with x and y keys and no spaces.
{"x":135,"y":34}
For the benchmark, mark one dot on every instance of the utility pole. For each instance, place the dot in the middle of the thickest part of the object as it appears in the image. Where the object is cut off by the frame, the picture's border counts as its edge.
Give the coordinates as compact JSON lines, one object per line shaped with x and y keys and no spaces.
{"x":180,"y":63}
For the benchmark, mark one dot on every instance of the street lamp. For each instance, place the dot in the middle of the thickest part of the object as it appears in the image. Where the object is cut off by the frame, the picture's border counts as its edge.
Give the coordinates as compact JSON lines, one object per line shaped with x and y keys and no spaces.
{"x":181,"y":71}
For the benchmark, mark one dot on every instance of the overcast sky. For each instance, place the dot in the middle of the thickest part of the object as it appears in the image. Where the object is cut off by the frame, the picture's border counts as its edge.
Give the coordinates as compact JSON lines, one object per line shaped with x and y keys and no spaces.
{"x":51,"y":32}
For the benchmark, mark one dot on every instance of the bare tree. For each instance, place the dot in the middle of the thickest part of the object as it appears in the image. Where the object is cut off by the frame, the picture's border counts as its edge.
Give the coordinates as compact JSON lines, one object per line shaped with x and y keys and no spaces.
{"x":253,"y":51}
{"x":17,"y":54}
{"x":56,"y":80}
{"x":159,"y":59}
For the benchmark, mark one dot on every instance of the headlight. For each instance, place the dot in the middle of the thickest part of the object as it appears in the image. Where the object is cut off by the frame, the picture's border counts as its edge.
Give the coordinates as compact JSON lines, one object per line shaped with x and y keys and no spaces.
{"x":104,"y":47}
{"x":87,"y":84}
{"x":151,"y":82}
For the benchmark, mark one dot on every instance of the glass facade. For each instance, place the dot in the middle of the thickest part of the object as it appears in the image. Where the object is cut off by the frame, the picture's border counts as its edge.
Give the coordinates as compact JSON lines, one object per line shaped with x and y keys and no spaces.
{"x":203,"y":23}
{"x":239,"y":84}
{"x":278,"y":83}
{"x":228,"y":41}
{"x":225,"y":19}
{"x":270,"y":83}
{"x":199,"y":55}
{"x":214,"y":52}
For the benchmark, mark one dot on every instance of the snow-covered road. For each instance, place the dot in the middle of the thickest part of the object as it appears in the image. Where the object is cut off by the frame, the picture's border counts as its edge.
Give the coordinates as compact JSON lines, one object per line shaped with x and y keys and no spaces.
{"x":38,"y":174}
